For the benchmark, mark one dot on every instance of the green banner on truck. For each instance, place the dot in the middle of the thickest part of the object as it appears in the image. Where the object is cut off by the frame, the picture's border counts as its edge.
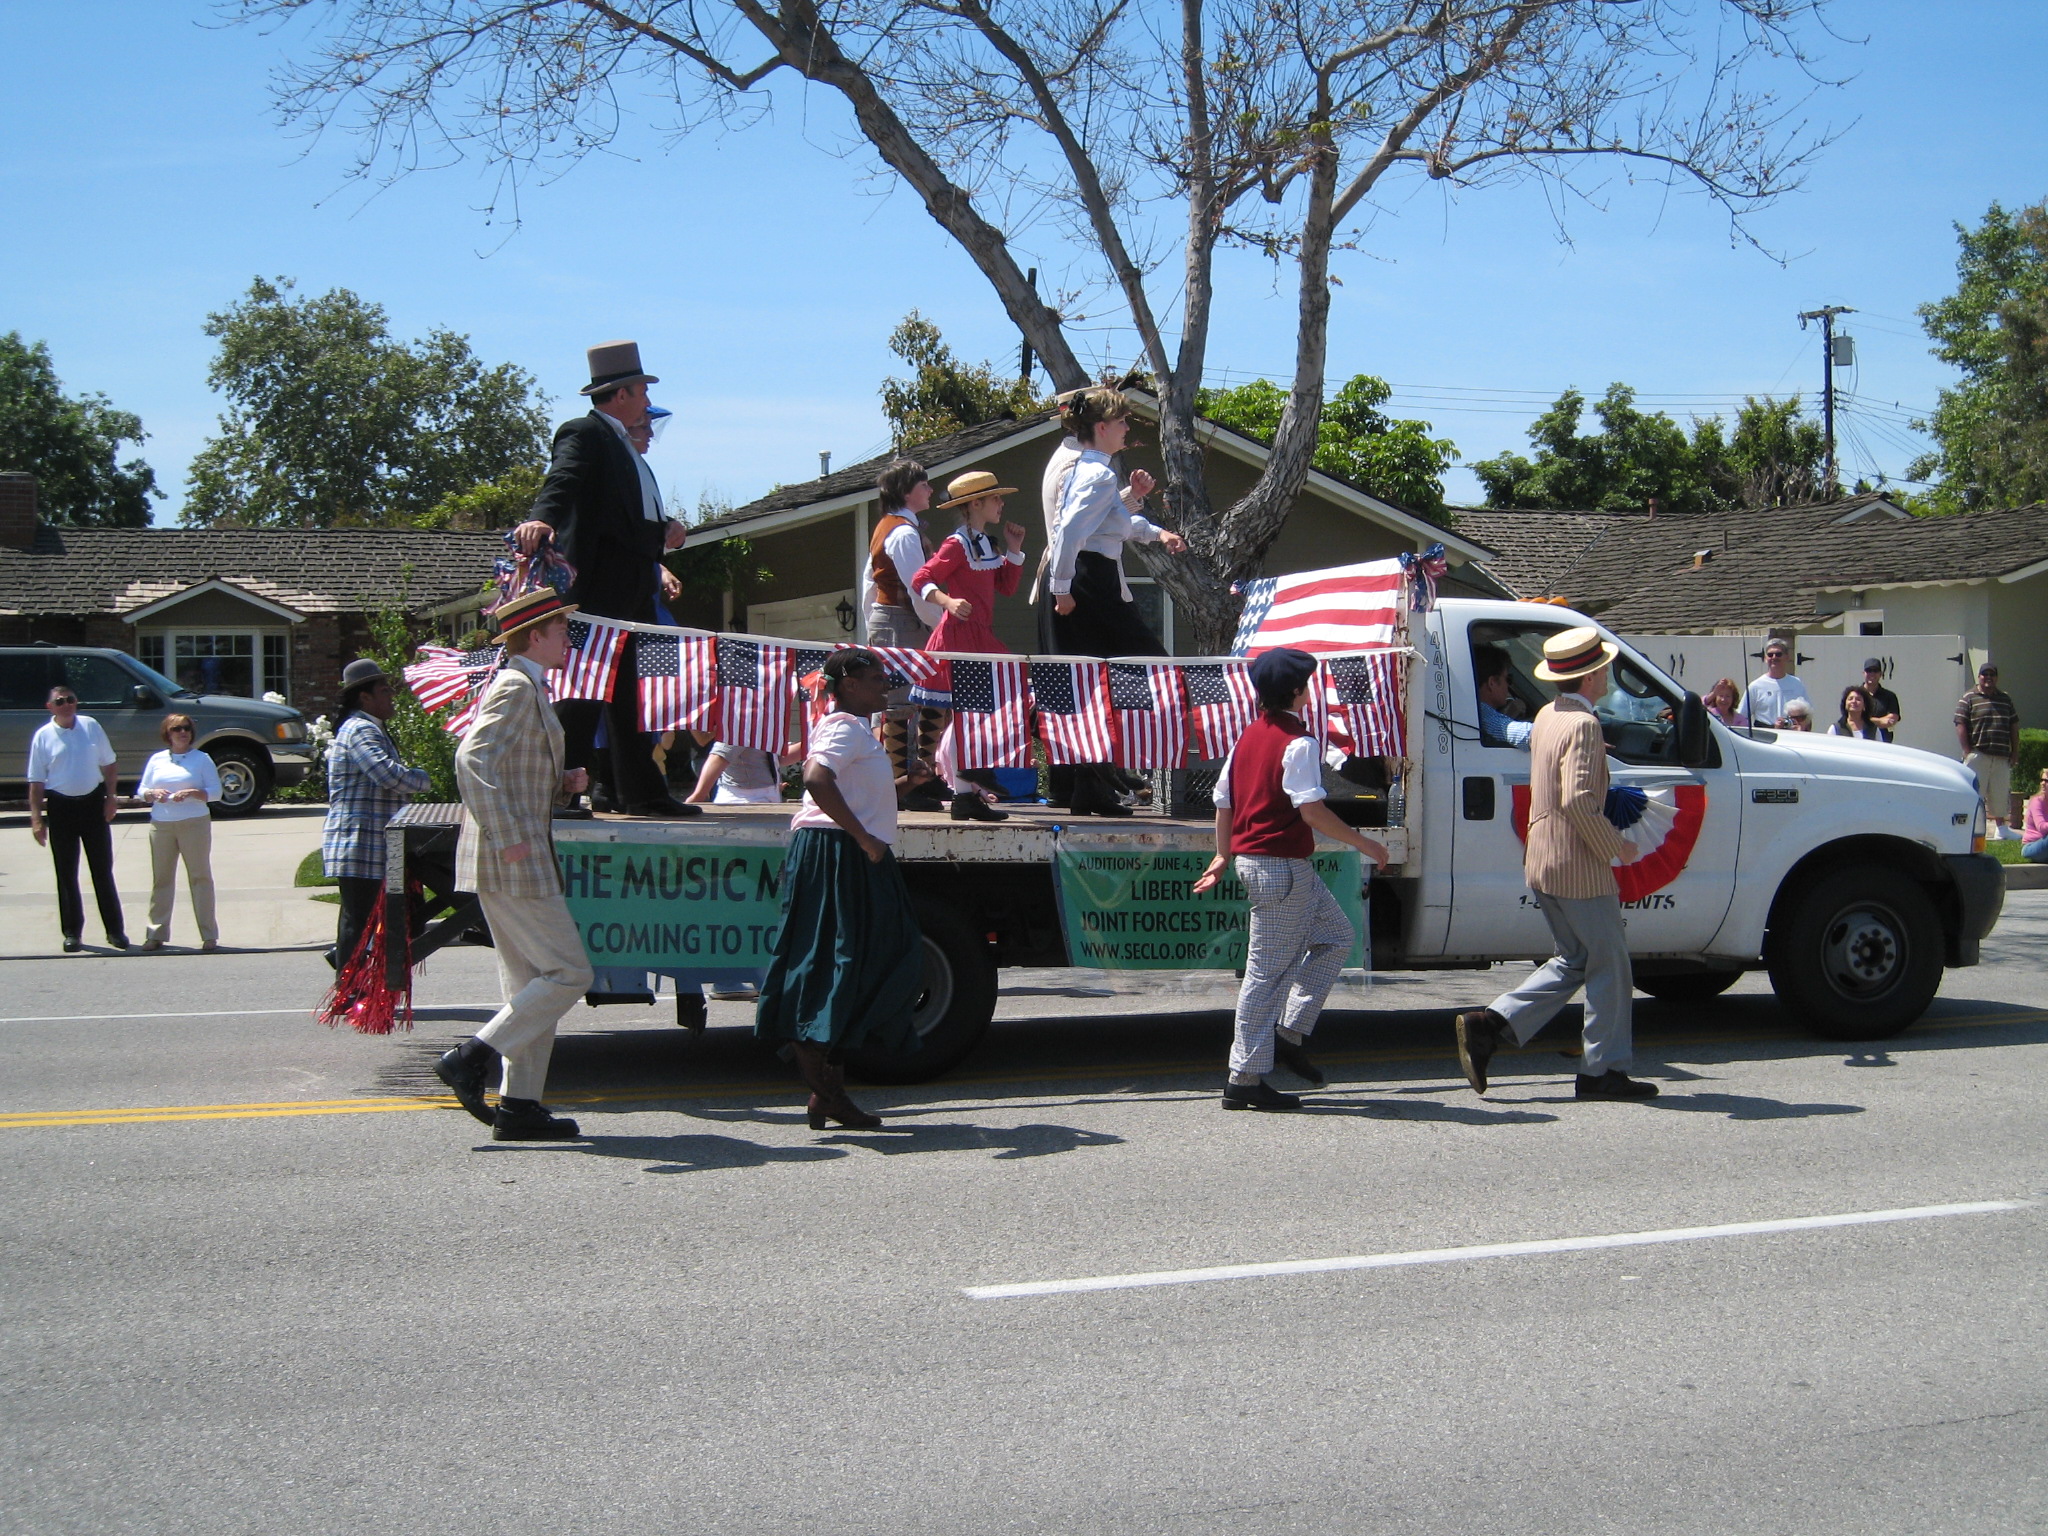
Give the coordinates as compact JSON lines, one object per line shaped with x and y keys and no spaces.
{"x":1134,"y":909}
{"x":711,"y":907}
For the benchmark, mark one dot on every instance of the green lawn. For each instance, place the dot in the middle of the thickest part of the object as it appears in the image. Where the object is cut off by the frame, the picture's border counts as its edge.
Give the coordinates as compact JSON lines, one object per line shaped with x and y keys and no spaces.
{"x":312,"y":873}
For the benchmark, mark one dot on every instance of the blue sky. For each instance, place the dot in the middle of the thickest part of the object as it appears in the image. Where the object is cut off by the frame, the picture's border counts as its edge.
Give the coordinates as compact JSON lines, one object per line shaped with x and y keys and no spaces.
{"x":147,"y":184}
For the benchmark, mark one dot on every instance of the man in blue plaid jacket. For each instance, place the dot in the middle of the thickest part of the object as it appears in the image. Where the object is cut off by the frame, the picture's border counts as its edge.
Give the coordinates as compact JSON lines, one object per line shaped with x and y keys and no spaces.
{"x":367,"y":785}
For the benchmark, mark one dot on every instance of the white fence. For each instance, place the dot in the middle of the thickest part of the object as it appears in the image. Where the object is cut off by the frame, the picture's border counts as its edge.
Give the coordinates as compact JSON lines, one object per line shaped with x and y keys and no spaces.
{"x":1929,"y":673}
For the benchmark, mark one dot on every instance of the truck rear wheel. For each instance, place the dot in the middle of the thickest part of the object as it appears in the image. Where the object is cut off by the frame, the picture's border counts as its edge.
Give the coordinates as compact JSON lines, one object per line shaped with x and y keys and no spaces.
{"x":1857,"y":954}
{"x":1688,"y":987}
{"x":953,"y":1011}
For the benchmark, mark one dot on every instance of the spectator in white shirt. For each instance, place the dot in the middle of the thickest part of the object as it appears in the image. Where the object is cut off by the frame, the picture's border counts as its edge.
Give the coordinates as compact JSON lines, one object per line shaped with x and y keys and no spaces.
{"x":177,"y":784}
{"x":70,"y":804}
{"x":1768,"y":695}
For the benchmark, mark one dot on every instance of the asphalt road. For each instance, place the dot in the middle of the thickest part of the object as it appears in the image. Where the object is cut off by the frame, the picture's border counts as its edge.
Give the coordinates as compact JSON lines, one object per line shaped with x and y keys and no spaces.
{"x":253,"y":1285}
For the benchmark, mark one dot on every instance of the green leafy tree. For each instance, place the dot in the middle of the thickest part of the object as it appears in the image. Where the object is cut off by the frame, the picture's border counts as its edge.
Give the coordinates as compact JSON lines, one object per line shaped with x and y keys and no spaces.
{"x":498,"y":503}
{"x":70,"y":445}
{"x":332,"y":422}
{"x":1773,"y":459}
{"x":1395,"y":460}
{"x":1991,"y":430}
{"x":943,"y":394}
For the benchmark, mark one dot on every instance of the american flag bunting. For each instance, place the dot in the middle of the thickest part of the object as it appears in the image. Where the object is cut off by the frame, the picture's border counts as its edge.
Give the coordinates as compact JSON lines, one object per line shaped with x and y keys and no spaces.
{"x":991,"y":705}
{"x":592,"y":663}
{"x":678,"y":681}
{"x":1221,"y":701}
{"x":1366,"y":689}
{"x":1151,"y":725}
{"x":444,"y":676}
{"x":1072,"y":700}
{"x":754,"y":682}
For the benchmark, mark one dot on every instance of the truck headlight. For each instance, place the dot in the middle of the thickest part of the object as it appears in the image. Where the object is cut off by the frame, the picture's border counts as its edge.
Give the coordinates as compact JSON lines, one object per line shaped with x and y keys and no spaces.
{"x":291,"y":730}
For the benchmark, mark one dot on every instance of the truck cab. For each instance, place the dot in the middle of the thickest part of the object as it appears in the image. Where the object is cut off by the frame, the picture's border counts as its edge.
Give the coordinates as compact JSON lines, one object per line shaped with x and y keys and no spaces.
{"x":1852,"y":871}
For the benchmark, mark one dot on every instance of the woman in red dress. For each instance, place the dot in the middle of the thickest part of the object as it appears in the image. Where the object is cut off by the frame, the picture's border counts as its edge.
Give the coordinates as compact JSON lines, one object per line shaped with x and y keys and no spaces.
{"x":964,"y":577}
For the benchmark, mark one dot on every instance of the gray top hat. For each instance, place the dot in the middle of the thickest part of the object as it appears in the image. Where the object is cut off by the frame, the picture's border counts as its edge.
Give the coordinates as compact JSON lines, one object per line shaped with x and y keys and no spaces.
{"x":614,"y":363}
{"x":360,"y":673}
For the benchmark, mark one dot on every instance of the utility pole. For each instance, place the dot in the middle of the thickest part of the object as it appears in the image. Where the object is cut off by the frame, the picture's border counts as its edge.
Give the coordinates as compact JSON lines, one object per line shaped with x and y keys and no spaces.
{"x":1024,"y":364}
{"x":1826,"y":316}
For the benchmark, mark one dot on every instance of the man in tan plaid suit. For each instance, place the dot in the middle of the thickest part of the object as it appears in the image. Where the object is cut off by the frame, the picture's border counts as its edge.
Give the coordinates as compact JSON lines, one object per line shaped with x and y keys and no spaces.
{"x":509,"y":769}
{"x":1569,"y":865}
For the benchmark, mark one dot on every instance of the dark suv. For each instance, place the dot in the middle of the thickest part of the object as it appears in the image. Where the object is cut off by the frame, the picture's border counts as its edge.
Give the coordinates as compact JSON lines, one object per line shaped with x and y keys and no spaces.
{"x":256,"y":746}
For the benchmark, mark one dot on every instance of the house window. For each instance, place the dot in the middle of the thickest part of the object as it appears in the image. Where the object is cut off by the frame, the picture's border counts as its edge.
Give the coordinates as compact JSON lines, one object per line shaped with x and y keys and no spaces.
{"x":245,"y":663}
{"x":1155,"y":606}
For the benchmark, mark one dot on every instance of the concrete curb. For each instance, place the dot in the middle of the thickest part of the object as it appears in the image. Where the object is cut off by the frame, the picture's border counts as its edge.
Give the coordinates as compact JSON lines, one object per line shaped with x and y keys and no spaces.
{"x":2026,"y":877}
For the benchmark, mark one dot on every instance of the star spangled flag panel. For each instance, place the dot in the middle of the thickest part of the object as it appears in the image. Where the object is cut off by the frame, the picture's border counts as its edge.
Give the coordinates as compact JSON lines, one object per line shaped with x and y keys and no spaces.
{"x":807,"y":664}
{"x":1151,"y":724}
{"x":754,"y":679}
{"x":678,"y":681}
{"x":1072,"y":699}
{"x":1366,"y":691}
{"x":443,"y":674}
{"x":991,"y":707}
{"x":1221,"y":703}
{"x":592,"y":663}
{"x":1345,"y":608}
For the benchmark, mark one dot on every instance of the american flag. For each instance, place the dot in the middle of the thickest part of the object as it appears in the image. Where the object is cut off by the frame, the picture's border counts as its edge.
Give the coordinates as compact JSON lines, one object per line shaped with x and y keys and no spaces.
{"x":1222,"y":701}
{"x":907,"y":664}
{"x":1151,"y":725}
{"x":1366,"y":689}
{"x":1072,"y":698}
{"x":808,"y":663}
{"x":678,"y":682}
{"x":990,"y":707}
{"x":592,"y":663}
{"x":443,"y":674}
{"x":754,"y":678}
{"x":1346,"y":608}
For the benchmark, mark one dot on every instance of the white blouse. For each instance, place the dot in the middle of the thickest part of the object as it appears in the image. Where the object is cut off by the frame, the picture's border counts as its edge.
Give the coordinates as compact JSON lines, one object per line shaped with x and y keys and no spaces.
{"x":1093,"y":518}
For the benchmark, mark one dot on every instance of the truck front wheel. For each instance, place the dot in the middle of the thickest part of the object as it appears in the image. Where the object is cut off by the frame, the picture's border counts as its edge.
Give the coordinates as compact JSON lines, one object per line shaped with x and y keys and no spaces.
{"x":953,"y":1010}
{"x":1857,"y":953}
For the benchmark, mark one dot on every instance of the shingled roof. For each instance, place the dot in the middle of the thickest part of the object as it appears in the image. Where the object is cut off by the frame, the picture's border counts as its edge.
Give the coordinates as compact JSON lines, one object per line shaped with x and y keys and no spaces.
{"x":317,"y":570}
{"x":1644,"y":575}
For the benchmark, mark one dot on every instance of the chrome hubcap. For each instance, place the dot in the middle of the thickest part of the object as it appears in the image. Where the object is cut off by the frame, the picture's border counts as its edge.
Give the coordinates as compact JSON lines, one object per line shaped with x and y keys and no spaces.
{"x":237,"y":783}
{"x":1864,"y":951}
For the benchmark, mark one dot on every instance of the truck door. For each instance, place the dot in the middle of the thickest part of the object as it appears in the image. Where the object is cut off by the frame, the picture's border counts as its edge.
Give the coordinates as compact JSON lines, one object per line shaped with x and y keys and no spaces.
{"x":1675,"y":897}
{"x":106,"y":692}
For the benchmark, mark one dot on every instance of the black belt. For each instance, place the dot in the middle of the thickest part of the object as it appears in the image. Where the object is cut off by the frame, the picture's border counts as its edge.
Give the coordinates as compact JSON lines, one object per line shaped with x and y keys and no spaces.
{"x":98,"y":792}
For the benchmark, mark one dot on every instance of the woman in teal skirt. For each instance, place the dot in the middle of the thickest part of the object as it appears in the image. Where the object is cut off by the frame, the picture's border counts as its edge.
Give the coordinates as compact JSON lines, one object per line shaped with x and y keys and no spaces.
{"x":848,"y":962}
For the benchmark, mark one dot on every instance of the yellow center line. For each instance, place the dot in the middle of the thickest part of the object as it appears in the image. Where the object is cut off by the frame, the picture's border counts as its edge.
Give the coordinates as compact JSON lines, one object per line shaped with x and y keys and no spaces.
{"x":55,"y":1118}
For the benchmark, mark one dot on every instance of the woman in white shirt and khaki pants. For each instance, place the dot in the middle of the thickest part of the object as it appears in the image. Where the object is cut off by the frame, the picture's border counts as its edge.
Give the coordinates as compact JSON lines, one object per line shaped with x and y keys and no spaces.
{"x":177,"y":785}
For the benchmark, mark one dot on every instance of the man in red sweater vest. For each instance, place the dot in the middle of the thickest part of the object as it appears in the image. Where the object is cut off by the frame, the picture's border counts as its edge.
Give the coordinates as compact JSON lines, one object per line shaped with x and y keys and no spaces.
{"x":1269,"y":808}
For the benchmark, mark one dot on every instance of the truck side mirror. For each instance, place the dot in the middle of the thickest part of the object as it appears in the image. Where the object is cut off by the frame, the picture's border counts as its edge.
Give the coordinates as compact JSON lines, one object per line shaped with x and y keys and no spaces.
{"x":142,"y":696}
{"x":1695,"y":740}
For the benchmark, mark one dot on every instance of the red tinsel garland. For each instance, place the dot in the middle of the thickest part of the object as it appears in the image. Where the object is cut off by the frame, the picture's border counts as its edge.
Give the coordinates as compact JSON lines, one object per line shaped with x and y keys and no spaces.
{"x":361,"y":996}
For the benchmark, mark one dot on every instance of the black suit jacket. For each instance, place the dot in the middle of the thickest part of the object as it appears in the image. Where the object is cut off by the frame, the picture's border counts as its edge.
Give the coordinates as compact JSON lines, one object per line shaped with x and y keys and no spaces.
{"x":591,"y":498}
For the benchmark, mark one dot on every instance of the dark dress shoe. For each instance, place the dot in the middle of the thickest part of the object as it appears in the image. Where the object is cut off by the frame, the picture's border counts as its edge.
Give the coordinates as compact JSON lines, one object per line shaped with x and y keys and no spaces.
{"x":1615,"y":1084}
{"x":465,"y":1070}
{"x":1291,"y":1056}
{"x":668,"y":806}
{"x":572,"y":812}
{"x":117,"y":941}
{"x":529,"y":1120}
{"x":928,"y":796}
{"x":1259,"y":1096}
{"x":969,"y":806}
{"x":72,"y":945}
{"x":601,"y":799}
{"x":1480,"y":1034}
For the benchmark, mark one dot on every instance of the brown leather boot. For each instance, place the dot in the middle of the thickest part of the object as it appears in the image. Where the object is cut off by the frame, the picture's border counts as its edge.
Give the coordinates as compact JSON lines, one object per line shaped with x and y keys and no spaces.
{"x":828,"y":1091}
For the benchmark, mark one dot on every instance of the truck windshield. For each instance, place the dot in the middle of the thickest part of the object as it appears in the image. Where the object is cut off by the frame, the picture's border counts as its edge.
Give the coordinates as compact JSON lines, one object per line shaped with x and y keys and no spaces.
{"x":1638,"y":715}
{"x":158,"y":681}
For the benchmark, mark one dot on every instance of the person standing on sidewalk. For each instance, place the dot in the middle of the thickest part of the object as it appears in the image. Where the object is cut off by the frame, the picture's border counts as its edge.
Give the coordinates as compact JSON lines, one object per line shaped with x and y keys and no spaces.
{"x":1568,"y":863}
{"x":71,"y":805}
{"x":177,"y":783}
{"x":367,"y":784}
{"x":1269,"y":808}
{"x":510,"y":770}
{"x":1988,"y":729}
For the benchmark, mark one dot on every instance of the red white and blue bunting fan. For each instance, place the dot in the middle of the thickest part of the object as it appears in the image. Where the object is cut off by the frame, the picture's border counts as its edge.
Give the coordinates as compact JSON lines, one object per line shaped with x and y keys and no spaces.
{"x":1664,"y":822}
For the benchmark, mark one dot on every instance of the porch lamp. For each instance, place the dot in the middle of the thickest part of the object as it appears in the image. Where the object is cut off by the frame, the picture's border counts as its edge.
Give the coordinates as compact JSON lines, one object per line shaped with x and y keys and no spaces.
{"x":845,"y":615}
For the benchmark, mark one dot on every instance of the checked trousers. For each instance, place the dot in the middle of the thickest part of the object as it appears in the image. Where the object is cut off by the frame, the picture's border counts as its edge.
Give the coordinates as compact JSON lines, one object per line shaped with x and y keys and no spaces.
{"x":1300,"y":939}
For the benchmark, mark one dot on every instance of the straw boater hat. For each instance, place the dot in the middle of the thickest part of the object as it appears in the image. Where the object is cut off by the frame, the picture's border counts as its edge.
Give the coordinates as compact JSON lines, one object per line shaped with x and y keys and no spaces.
{"x":614,"y":363}
{"x":972,"y":486}
{"x":1573,"y":653}
{"x":531,"y":608}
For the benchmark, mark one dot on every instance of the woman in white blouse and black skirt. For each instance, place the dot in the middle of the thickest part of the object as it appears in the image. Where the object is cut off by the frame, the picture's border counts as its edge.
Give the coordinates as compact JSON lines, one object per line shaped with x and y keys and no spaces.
{"x":1092,"y":610}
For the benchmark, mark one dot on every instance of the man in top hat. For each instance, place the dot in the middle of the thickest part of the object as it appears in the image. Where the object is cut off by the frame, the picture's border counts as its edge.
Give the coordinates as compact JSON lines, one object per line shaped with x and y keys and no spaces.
{"x":602,"y":505}
{"x":367,"y":784}
{"x":1568,"y":863}
{"x":509,"y":769}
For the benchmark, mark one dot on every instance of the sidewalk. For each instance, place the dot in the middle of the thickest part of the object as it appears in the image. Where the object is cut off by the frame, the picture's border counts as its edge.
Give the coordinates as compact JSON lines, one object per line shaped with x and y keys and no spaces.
{"x":254,"y":860}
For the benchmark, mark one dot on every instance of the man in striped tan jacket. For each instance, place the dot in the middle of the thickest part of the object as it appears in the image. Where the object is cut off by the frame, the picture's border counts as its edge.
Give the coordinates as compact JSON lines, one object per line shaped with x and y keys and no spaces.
{"x":1569,"y":865}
